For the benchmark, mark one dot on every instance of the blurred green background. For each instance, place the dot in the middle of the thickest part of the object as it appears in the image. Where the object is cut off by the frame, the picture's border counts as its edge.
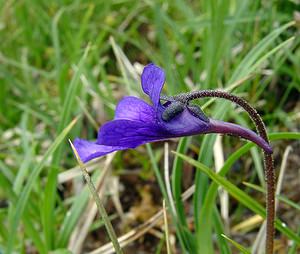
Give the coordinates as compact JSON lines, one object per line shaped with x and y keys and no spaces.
{"x":65,"y":59}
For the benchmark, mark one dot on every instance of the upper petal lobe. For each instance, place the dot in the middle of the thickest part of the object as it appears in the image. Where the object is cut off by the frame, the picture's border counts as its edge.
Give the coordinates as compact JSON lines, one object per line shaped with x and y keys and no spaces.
{"x":132,"y":108}
{"x":153,"y":79}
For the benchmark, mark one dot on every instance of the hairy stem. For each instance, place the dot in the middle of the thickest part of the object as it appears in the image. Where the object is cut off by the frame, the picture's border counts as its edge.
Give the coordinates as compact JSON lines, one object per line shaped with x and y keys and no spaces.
{"x":268,"y":158}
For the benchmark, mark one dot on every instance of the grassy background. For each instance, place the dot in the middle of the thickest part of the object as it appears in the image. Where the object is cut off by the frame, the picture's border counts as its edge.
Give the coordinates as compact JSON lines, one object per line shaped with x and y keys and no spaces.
{"x":65,"y":59}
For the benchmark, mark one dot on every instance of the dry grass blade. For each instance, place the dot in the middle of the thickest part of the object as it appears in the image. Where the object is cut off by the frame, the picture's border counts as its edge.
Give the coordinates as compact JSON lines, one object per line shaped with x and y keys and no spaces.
{"x":128,"y":71}
{"x":72,"y":173}
{"x":248,"y":224}
{"x":131,"y":235}
{"x":86,"y":112}
{"x":219,"y":162}
{"x":140,"y":230}
{"x":80,"y":232}
{"x":113,"y":188}
{"x":102,"y":211}
{"x":166,"y":227}
{"x":282,"y":172}
{"x":167,"y":178}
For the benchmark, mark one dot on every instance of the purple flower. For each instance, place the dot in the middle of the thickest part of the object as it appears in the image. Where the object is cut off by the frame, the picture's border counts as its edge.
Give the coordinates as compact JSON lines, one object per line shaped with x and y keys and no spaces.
{"x":136,"y":122}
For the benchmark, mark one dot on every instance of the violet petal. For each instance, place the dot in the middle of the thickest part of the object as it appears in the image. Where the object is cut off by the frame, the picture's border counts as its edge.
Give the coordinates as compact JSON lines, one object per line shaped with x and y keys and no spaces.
{"x":129,"y":133}
{"x":133,"y":108}
{"x":185,"y":124}
{"x":153,"y":79}
{"x":89,"y":150}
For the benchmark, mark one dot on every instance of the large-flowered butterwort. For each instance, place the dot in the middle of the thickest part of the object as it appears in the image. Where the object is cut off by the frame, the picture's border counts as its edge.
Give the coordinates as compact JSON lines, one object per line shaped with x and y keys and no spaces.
{"x":136,"y":122}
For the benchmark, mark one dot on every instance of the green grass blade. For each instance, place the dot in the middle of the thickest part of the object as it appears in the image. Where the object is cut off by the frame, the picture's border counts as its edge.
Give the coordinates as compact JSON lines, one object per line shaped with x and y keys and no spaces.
{"x":251,"y":59}
{"x":295,"y":246}
{"x":24,"y":196}
{"x":48,"y":203}
{"x":241,"y":196}
{"x":177,"y":173}
{"x":206,"y":220}
{"x":30,"y":230}
{"x":70,"y":221}
{"x":237,"y":245}
{"x":279,"y":197}
{"x":219,"y":228}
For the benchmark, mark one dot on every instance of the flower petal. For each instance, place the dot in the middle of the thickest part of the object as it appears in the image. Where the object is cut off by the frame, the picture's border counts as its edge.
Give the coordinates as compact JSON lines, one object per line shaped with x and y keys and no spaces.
{"x":133,"y":108}
{"x":184,"y":124}
{"x":89,"y":150}
{"x":130,"y":133}
{"x":153,"y":79}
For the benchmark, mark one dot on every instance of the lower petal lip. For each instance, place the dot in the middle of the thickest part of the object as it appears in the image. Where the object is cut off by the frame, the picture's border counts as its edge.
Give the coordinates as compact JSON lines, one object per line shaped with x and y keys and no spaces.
{"x":88,"y":150}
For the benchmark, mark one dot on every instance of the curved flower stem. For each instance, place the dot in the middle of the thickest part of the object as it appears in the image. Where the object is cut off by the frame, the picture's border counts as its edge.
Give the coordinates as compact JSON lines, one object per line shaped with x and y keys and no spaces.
{"x":268,"y":158}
